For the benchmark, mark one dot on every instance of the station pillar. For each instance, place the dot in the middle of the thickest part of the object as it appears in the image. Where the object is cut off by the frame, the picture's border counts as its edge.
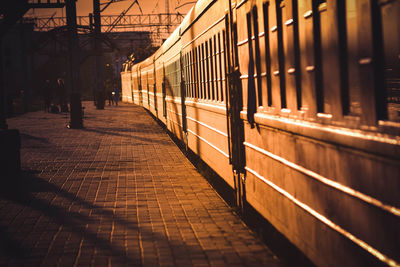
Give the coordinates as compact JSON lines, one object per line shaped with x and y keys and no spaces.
{"x":99,"y":82}
{"x":76,"y":120}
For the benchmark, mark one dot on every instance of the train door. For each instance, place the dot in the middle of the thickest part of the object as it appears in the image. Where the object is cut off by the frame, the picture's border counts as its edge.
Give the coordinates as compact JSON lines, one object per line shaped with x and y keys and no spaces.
{"x":131,"y":83}
{"x":183,"y":97}
{"x":164,"y":95}
{"x":155,"y":89}
{"x":234,"y":107}
{"x":140,"y":87}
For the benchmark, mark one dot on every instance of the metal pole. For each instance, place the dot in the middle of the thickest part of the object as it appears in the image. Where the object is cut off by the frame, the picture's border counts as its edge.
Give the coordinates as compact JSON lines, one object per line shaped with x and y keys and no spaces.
{"x":99,"y":101}
{"x":3,"y":123}
{"x":73,"y":66}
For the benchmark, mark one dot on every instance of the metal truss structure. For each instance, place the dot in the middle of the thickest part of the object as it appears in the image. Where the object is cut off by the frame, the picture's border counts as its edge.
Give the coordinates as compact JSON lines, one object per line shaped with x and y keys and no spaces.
{"x":159,"y":25}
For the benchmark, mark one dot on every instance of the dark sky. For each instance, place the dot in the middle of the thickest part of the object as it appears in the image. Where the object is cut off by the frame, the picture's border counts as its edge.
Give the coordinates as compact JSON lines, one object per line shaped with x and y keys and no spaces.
{"x":84,"y":7}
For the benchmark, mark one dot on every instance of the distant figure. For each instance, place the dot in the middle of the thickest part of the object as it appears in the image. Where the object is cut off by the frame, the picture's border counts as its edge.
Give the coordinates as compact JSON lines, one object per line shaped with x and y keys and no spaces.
{"x":62,"y":96}
{"x":110,"y":97}
{"x":47,"y":96}
{"x":116,"y":96}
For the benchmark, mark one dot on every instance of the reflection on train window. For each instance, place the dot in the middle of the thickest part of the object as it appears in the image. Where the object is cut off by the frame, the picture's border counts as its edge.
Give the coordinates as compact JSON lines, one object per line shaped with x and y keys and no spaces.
{"x":390,"y":14}
{"x":267,"y":52}
{"x":257,"y":55}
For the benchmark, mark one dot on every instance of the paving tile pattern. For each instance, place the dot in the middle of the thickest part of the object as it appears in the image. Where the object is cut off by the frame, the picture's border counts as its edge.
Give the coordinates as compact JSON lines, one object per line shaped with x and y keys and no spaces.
{"x":116,"y":193}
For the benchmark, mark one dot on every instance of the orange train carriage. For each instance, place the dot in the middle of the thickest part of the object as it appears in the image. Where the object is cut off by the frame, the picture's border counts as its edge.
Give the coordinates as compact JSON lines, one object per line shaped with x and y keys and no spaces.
{"x":296,"y":105}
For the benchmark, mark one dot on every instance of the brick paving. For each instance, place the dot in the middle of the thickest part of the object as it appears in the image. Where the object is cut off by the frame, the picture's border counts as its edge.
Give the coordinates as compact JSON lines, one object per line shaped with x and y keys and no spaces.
{"x":116,"y":193}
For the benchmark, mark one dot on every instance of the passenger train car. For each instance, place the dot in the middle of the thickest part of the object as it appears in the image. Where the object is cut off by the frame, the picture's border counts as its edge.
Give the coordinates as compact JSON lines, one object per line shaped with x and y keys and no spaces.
{"x":296,"y":106}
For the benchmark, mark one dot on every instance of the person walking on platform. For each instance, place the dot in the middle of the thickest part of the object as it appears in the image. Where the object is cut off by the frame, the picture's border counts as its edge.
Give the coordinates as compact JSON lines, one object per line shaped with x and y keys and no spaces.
{"x":116,"y":96}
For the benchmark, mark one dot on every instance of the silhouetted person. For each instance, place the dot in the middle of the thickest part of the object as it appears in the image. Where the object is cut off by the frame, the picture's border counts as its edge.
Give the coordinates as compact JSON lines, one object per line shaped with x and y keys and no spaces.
{"x":47,"y":96}
{"x":116,"y":96}
{"x":62,"y":96}
{"x":110,"y":97}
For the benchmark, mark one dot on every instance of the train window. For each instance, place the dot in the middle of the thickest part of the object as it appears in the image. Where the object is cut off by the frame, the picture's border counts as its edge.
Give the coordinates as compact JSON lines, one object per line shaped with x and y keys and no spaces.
{"x":267,"y":52}
{"x":223,"y":67}
{"x":190,"y":74}
{"x":203,"y":73}
{"x":216,"y":68}
{"x":212,"y":52}
{"x":186,"y":76}
{"x":390,"y":11}
{"x":188,"y":83}
{"x":182,"y":74}
{"x":317,"y":56}
{"x":257,"y":55}
{"x":281,"y":55}
{"x":343,"y":57}
{"x":209,"y":63}
{"x":194,"y":73}
{"x":251,"y":90}
{"x":297,"y":53}
{"x":197,"y":72}
{"x":200,"y":70}
{"x":204,"y":69}
{"x":292,"y":54}
{"x":207,"y":68}
{"x":179,"y":76}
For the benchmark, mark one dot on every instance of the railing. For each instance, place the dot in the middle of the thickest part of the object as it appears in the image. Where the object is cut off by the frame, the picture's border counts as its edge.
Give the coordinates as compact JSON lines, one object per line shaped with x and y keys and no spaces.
{"x":46,"y":3}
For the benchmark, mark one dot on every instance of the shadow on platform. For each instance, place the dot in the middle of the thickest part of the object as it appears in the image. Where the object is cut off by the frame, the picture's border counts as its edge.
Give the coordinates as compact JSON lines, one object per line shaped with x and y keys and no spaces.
{"x":20,"y":190}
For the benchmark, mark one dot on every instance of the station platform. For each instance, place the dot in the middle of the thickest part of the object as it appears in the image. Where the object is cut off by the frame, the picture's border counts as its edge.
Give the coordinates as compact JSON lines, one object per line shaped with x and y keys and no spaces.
{"x":117,"y":193}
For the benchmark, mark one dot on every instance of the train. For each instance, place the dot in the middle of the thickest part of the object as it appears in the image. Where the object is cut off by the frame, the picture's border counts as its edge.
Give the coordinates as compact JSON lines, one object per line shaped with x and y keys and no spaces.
{"x":296,"y":106}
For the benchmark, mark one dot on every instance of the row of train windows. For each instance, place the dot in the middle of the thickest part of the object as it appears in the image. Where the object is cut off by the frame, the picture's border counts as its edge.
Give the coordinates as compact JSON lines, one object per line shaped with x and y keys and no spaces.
{"x":173,"y":79}
{"x":286,"y":63}
{"x":204,"y":70}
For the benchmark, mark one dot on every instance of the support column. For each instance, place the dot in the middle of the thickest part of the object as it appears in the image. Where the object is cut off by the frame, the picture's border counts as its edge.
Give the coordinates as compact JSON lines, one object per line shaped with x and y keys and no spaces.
{"x":99,"y":83}
{"x":3,"y":123}
{"x":73,"y":66}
